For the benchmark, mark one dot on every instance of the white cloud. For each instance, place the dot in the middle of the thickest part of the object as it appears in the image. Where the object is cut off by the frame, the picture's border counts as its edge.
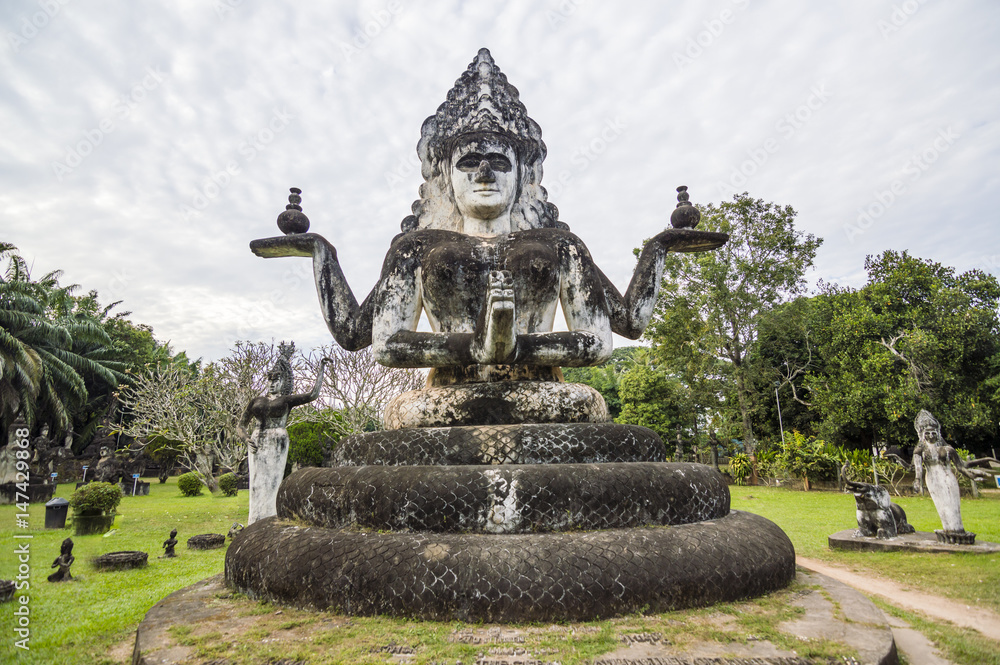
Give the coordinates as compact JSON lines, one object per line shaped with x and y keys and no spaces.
{"x":116,"y":222}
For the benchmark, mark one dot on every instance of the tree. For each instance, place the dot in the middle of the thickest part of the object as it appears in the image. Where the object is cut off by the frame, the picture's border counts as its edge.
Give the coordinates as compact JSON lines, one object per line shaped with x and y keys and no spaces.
{"x":916,"y":336}
{"x":49,"y":348}
{"x":710,"y":304}
{"x":357,"y":392}
{"x":652,"y":398}
{"x":606,"y":378}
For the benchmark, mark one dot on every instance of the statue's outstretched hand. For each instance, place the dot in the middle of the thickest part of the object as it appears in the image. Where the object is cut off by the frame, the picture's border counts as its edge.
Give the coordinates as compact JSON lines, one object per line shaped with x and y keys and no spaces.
{"x":495,"y":340}
{"x":295,"y":244}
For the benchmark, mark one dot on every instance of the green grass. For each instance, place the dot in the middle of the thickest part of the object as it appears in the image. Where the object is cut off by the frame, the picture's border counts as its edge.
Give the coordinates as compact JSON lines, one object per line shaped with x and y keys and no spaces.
{"x":81,"y":621}
{"x":810,"y":517}
{"x":78,"y":621}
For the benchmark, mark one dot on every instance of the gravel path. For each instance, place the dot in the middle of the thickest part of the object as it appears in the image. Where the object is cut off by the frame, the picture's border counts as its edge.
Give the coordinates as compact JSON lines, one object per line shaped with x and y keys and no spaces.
{"x":917,"y":649}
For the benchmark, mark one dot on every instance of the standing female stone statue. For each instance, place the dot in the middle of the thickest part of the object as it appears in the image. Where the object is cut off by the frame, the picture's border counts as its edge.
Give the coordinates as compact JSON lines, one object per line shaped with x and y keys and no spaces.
{"x":931,"y":460}
{"x":269,"y":443}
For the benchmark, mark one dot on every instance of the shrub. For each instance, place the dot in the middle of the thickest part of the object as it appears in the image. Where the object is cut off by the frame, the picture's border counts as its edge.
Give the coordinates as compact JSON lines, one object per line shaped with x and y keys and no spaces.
{"x":189,"y":484}
{"x":227,"y":484}
{"x":96,"y":499}
{"x":307,"y":443}
{"x":740,"y":468}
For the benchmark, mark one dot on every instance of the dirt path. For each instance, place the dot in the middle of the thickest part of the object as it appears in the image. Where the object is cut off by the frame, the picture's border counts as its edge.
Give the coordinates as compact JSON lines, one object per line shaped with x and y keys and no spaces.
{"x":960,"y":614}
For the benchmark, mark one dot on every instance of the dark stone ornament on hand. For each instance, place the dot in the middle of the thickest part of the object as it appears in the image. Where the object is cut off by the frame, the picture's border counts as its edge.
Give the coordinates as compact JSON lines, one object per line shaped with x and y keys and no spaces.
{"x":685,"y":215}
{"x":293,"y":220}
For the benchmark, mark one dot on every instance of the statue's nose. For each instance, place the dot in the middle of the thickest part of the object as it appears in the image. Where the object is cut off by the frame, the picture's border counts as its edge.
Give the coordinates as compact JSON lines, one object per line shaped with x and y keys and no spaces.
{"x":484,"y":173}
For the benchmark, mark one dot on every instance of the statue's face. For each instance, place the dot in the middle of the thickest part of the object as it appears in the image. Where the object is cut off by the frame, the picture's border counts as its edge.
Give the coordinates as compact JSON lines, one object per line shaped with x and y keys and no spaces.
{"x":929,"y":432}
{"x":484,"y":177}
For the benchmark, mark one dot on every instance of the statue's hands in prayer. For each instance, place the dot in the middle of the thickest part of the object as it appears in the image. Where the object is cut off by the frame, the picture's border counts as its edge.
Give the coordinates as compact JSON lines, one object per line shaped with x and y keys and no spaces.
{"x":495,"y":340}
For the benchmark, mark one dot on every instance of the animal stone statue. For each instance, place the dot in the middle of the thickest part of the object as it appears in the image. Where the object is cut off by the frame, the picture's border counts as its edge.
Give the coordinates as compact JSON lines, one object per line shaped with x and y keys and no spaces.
{"x":269,"y":443}
{"x":878,"y":516}
{"x":498,"y":487}
{"x":63,"y":562}
{"x":932,"y":460}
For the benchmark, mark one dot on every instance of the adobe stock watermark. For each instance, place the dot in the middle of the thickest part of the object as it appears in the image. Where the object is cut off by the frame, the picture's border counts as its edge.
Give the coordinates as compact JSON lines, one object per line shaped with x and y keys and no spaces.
{"x":121,"y":109}
{"x":561,"y":13}
{"x":695,"y":46}
{"x":587,"y":154}
{"x":22,"y":581}
{"x":899,"y":16}
{"x":786,"y":127}
{"x":913,"y":169}
{"x":248,"y":149}
{"x":31,"y":26}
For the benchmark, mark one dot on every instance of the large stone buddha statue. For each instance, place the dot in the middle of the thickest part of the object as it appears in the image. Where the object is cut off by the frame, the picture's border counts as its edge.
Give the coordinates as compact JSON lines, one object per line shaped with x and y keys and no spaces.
{"x":499,"y":492}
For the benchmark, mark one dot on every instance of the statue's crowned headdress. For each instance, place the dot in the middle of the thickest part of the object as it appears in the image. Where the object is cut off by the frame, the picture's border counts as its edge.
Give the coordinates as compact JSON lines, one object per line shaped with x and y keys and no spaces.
{"x":925,"y":419}
{"x":482,"y":101}
{"x":282,"y":368}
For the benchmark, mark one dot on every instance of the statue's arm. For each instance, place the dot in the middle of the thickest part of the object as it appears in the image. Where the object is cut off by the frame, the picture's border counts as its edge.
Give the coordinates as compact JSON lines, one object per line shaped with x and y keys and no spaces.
{"x":349,"y":322}
{"x":918,"y":467}
{"x":965,"y":469}
{"x":630,"y":314}
{"x":582,"y":296}
{"x":304,"y":398}
{"x":397,"y":306}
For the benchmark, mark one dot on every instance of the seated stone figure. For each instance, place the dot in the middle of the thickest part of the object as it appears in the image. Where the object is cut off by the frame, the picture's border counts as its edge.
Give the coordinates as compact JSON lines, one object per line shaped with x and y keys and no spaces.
{"x":878,"y":516}
{"x":63,"y":562}
{"x":499,"y":492}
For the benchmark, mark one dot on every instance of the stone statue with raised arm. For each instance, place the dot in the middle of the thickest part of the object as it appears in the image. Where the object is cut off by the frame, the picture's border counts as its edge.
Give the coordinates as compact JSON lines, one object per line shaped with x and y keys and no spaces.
{"x":498,"y":492}
{"x":931,"y":460}
{"x":269,"y":442}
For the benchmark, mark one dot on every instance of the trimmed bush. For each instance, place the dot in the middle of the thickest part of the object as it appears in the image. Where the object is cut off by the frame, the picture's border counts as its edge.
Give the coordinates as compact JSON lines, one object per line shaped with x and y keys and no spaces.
{"x":96,"y":499}
{"x":227,"y":484}
{"x":189,"y":484}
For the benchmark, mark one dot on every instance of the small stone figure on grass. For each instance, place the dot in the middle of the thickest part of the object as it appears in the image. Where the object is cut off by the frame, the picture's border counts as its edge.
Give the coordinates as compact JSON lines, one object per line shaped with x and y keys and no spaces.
{"x":63,"y":562}
{"x":169,"y":544}
{"x":234,"y":529}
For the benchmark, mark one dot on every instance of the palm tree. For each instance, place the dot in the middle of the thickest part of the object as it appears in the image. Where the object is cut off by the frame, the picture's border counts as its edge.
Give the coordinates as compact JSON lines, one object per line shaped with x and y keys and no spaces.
{"x":48,"y":350}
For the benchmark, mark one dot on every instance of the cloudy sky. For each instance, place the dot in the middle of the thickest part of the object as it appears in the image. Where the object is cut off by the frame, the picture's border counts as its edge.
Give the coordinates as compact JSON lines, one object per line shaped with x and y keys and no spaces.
{"x":145,"y":144}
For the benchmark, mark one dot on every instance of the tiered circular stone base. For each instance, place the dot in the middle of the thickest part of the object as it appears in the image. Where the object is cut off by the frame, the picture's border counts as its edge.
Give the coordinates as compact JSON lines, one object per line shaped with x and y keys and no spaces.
{"x":508,"y":523}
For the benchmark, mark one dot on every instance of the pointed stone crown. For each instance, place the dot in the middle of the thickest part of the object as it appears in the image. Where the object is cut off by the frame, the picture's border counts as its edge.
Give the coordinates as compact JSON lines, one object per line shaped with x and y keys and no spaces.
{"x":923,"y":419}
{"x":482,"y":101}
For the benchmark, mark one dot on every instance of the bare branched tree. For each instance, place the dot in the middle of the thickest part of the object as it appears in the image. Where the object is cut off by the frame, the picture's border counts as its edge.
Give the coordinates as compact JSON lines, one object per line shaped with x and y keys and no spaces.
{"x":357,"y":389}
{"x":200,"y":414}
{"x":920,"y":376}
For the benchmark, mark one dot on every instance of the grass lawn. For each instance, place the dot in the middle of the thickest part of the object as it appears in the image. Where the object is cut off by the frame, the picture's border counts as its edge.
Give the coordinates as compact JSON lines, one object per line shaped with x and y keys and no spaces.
{"x":809,"y":517}
{"x":80,"y":621}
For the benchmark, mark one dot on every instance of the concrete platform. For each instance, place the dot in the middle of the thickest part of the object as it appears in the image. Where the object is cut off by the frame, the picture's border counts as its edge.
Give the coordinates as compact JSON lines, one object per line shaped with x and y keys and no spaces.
{"x":830,"y":611}
{"x":921,"y":541}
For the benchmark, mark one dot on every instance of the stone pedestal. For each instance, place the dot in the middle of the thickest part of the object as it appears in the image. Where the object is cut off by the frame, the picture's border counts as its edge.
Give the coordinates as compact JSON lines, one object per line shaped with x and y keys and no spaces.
{"x":526,"y":522}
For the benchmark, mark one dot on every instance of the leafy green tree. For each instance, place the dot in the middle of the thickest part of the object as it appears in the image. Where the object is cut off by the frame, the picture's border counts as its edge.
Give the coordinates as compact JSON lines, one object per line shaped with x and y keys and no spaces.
{"x":606,"y":378}
{"x":707,"y":317}
{"x":917,"y":335}
{"x":652,"y":398}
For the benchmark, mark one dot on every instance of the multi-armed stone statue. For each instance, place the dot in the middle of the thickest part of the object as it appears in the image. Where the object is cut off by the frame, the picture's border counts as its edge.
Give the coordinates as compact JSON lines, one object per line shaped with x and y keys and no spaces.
{"x":932,"y":459}
{"x":499,"y":492}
